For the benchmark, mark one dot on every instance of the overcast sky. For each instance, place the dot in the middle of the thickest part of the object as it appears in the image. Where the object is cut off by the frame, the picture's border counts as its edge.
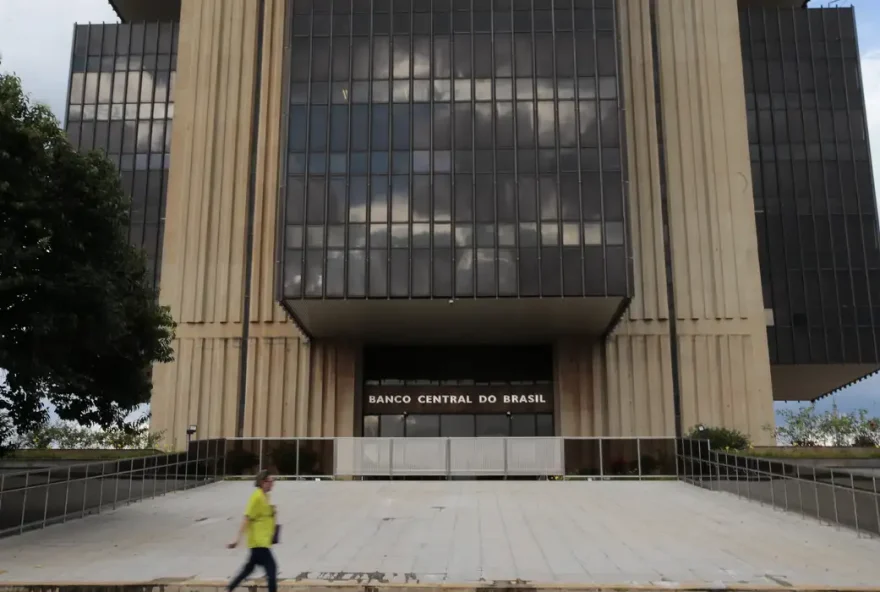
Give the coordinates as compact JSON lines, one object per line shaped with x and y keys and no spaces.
{"x":36,"y":37}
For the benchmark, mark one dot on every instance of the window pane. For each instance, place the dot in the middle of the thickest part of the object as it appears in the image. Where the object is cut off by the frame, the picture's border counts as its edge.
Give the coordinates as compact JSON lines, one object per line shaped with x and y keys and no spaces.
{"x":493,"y":426}
{"x":523,"y":51}
{"x":391,"y":426}
{"x":378,"y":272}
{"x":399,"y":272}
{"x":335,"y":272}
{"x":457,"y":426}
{"x":522,"y":425}
{"x":545,"y":425}
{"x":371,"y":426}
{"x":401,"y":57}
{"x":338,"y":128}
{"x":381,"y":57}
{"x":422,"y":426}
{"x":421,"y":272}
{"x":356,"y":273}
{"x":401,"y":127}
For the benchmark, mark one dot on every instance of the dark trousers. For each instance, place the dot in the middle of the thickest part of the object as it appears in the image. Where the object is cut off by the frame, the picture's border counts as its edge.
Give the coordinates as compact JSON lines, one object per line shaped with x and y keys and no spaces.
{"x":262,"y":557}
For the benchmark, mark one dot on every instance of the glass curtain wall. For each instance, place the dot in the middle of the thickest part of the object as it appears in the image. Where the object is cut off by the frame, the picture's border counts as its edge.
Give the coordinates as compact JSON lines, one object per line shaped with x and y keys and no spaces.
{"x":815,"y":205}
{"x":454,"y":148}
{"x":121,"y":102}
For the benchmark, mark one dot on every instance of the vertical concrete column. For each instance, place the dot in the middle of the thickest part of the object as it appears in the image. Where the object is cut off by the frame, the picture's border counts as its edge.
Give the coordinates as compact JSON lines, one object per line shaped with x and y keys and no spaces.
{"x":206,"y":244}
{"x":720,"y":332}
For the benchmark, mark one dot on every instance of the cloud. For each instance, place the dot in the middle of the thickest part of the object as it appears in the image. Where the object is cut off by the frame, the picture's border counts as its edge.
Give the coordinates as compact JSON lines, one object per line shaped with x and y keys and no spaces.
{"x":36,"y":38}
{"x":871,"y":83}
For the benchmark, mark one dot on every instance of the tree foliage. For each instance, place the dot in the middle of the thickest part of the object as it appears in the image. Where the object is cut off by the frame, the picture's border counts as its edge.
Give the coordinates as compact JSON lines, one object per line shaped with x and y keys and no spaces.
{"x":720,"y":438}
{"x":807,"y":427}
{"x":80,"y":325}
{"x":72,"y":436}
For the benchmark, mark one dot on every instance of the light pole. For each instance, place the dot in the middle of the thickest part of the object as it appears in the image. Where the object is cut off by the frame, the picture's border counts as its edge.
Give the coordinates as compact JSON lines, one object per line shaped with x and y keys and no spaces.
{"x":189,"y":434}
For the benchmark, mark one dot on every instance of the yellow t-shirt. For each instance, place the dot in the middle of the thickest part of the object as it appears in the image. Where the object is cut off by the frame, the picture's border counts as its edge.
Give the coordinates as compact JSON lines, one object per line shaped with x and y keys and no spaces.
{"x":261,"y":528}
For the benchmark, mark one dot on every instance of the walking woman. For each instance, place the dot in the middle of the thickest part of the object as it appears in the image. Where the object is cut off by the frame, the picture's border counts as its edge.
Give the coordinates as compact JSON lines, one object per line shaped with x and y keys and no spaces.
{"x":259,"y":524}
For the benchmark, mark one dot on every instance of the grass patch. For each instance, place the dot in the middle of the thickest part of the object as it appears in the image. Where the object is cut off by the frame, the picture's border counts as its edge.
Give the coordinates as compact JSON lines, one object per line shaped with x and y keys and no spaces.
{"x":822,"y":452}
{"x":79,"y":455}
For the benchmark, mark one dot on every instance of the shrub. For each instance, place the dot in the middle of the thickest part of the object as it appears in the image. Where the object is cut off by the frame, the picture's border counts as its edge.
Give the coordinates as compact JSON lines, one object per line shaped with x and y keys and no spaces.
{"x":720,"y":438}
{"x":865,"y":441}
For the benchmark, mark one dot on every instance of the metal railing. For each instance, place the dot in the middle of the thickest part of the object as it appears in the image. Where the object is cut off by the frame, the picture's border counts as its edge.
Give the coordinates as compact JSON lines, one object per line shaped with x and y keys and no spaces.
{"x":372,"y":458}
{"x":37,"y":498}
{"x":840,"y":497}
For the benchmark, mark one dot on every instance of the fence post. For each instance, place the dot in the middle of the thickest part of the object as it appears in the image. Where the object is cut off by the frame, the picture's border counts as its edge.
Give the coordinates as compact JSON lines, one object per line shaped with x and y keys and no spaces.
{"x":677,"y":448}
{"x":27,"y":477}
{"x":797,"y":468}
{"x":639,"y":456}
{"x":748,"y":478}
{"x":297,"y":447}
{"x":198,"y":456}
{"x":101,"y":493}
{"x":834,"y":496}
{"x":2,"y":486}
{"x":143,"y":479}
{"x":876,"y":502}
{"x":784,"y":484}
{"x":166,"y":460}
{"x":155,"y":460}
{"x":601,"y":461}
{"x":448,"y":458}
{"x":504,"y":441}
{"x":46,"y":501}
{"x":66,"y":495}
{"x":176,"y":470}
{"x":700,"y":453}
{"x":816,"y":493}
{"x":772,"y":485}
{"x":260,"y":465}
{"x":391,"y":458}
{"x":225,"y":451}
{"x":116,"y":483}
{"x":82,"y":512}
{"x":736,"y":472}
{"x":852,"y":484}
{"x":186,"y":469}
{"x":130,"y":479}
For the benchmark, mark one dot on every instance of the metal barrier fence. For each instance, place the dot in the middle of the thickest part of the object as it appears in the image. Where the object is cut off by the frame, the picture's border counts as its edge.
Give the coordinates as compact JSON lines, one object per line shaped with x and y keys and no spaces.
{"x":835,"y":496}
{"x":566,"y":458}
{"x":37,"y":498}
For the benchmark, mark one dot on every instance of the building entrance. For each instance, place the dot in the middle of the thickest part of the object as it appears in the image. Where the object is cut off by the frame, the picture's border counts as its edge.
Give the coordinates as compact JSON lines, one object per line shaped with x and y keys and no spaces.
{"x":458,"y":392}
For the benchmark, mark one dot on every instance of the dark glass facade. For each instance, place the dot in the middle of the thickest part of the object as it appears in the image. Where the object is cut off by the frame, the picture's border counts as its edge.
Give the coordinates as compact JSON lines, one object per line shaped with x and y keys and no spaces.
{"x":121,"y":102}
{"x":814,"y":196}
{"x":454,"y":148}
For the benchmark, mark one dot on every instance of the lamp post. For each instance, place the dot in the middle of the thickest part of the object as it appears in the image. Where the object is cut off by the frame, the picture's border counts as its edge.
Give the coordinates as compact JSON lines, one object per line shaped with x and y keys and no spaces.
{"x":189,"y":434}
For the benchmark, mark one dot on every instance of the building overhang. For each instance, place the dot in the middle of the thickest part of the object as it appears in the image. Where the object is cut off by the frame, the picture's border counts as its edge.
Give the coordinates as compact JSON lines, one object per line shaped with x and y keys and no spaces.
{"x":134,"y":11}
{"x":472,"y":321}
{"x":809,"y":382}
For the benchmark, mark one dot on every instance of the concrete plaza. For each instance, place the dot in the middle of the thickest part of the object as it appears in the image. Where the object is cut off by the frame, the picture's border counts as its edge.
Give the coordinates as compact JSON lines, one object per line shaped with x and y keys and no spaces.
{"x":461,"y":532}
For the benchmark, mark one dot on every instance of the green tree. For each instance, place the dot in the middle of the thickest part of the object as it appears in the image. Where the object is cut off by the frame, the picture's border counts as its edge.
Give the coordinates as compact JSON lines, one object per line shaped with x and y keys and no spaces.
{"x":80,"y":324}
{"x":800,"y":427}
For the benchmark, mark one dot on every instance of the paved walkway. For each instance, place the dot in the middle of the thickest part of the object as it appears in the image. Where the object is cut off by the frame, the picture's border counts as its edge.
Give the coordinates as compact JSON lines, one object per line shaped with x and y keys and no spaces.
{"x":458,"y":532}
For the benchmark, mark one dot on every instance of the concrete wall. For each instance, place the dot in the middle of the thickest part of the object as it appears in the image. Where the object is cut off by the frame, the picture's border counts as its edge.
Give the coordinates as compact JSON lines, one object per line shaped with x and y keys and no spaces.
{"x":624,"y":386}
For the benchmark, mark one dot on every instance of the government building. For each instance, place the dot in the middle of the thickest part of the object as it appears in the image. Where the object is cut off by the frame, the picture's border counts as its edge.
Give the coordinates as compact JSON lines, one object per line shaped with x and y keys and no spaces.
{"x":491,"y":217}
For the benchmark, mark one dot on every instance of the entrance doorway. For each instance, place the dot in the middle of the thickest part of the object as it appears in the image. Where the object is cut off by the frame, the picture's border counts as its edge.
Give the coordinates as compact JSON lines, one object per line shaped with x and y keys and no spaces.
{"x":458,"y":392}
